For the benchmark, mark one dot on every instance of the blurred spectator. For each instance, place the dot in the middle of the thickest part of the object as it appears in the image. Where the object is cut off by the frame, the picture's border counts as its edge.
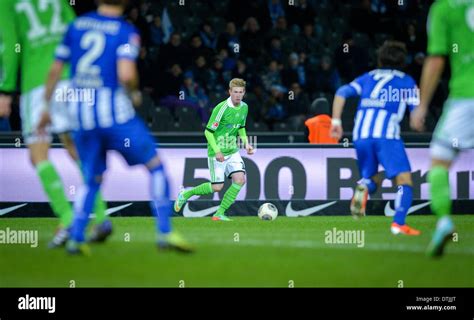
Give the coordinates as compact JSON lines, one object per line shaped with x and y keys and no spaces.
{"x":201,"y":71}
{"x":229,"y":39}
{"x":219,"y":78}
{"x":272,"y":75}
{"x":327,"y":78}
{"x":276,"y":52}
{"x":413,"y":40}
{"x":229,"y":63}
{"x":170,"y":82}
{"x":275,"y":10}
{"x":208,"y":36}
{"x":156,"y":32}
{"x":197,"y":48}
{"x":294,"y":72}
{"x":242,"y":71}
{"x":297,"y":105}
{"x":173,"y":52}
{"x":139,"y":21}
{"x":274,"y":109}
{"x":318,"y":127}
{"x":195,"y":95}
{"x":307,"y":41}
{"x":286,"y":36}
{"x":251,"y":39}
{"x":191,"y":95}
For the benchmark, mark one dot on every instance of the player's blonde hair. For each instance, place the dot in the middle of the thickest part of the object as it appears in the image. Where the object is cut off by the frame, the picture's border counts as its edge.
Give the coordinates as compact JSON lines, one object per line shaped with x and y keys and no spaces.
{"x":237,"y":83}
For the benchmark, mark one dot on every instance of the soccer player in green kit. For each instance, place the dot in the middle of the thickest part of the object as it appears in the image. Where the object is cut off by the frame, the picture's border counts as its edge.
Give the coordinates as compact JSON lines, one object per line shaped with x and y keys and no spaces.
{"x":227,"y":121}
{"x":450,"y":35}
{"x":30,"y":32}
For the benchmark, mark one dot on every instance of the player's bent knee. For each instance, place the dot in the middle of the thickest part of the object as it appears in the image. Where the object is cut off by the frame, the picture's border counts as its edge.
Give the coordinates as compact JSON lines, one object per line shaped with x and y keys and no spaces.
{"x":239,"y":180}
{"x":404,"y":179}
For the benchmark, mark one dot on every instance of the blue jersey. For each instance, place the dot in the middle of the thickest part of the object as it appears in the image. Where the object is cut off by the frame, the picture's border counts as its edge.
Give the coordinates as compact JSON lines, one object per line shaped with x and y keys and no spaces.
{"x":384,"y":96}
{"x":92,"y":45}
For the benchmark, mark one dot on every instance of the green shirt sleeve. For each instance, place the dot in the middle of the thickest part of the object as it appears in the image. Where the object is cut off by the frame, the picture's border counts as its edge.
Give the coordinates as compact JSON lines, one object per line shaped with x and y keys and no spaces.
{"x":9,"y":58}
{"x":212,"y":141}
{"x":215,"y":118}
{"x":244,"y":119}
{"x":437,"y":29}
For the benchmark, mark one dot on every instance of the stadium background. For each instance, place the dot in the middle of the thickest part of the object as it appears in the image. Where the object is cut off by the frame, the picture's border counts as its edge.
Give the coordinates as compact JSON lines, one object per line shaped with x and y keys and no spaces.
{"x":287,"y":251}
{"x":289,"y":55}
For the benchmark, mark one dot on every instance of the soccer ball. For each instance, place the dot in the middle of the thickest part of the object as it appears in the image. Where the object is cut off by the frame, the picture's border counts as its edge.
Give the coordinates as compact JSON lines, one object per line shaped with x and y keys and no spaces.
{"x":268,"y":211}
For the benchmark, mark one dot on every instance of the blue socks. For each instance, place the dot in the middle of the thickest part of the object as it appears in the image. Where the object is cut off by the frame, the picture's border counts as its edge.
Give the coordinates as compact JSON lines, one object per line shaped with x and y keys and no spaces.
{"x":402,"y":203}
{"x":83,"y":206}
{"x":160,"y":204}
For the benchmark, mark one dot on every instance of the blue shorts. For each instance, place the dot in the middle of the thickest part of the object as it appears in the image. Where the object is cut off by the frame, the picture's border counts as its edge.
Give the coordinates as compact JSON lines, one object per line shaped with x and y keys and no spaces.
{"x":131,"y":139}
{"x":389,"y":153}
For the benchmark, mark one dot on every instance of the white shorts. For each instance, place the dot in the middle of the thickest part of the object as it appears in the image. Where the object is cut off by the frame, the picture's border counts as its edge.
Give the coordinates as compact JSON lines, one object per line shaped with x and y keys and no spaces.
{"x":30,"y":111}
{"x":219,"y":170}
{"x":454,"y":131}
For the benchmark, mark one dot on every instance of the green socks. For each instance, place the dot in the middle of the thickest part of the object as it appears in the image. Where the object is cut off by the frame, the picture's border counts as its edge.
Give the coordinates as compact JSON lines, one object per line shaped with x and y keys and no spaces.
{"x":202,"y":189}
{"x":99,"y":209}
{"x":229,"y":198}
{"x":438,"y":177}
{"x":206,"y":188}
{"x":54,"y":189}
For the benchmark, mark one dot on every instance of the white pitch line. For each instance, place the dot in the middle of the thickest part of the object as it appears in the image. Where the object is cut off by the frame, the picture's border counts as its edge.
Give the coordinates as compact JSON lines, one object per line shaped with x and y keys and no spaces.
{"x":308,"y":244}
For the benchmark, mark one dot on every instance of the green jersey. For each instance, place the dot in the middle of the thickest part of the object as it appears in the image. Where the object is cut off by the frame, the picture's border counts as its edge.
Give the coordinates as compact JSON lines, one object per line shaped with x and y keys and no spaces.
{"x":451,"y":33}
{"x":225,"y":122}
{"x":30,"y":31}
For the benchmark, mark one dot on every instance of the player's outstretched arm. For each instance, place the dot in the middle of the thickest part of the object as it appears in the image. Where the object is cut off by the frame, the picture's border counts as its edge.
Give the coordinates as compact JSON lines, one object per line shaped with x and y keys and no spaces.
{"x":336,"y":123}
{"x":212,"y":142}
{"x":432,"y":70}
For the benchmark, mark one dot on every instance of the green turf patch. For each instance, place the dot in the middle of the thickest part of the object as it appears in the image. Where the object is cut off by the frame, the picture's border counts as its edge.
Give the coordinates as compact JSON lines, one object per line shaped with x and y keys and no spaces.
{"x":245,"y":252}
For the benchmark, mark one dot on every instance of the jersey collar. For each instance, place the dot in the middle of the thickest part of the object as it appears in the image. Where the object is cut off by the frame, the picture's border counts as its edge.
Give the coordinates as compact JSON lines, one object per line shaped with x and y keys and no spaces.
{"x":230,"y":104}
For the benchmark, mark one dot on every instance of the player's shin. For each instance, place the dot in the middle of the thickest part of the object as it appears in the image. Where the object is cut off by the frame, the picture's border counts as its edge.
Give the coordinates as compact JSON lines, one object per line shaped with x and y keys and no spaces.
{"x":402,"y":203}
{"x":229,"y":198}
{"x":83,"y":206}
{"x":438,"y":178}
{"x":55,"y":191}
{"x":202,"y":189}
{"x":160,"y":205}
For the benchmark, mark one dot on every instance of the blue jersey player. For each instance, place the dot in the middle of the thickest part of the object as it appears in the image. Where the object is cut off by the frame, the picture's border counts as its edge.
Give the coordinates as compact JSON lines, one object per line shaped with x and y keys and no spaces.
{"x":101,"y":49}
{"x":384,"y":93}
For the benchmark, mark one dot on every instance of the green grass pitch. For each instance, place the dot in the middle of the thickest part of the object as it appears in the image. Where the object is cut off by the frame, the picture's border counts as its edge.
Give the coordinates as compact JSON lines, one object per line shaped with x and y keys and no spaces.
{"x":246,"y":252}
